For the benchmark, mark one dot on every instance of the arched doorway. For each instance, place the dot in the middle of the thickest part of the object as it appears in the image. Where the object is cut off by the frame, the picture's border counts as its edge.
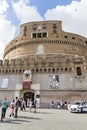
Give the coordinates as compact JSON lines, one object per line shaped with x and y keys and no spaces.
{"x":28,"y":96}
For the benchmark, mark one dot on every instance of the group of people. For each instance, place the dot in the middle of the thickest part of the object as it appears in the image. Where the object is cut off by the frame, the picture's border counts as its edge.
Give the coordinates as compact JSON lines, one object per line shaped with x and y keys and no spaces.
{"x":29,"y":104}
{"x":60,"y":104}
{"x":14,"y":108}
{"x":14,"y":105}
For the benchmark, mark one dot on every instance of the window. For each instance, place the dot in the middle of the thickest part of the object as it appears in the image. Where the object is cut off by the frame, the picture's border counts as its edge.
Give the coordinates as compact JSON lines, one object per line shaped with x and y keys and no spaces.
{"x":65,"y":69}
{"x":44,"y":26}
{"x":39,"y":35}
{"x":27,"y":75}
{"x":37,"y":96}
{"x":79,"y":71}
{"x":33,"y":35}
{"x":36,"y":70}
{"x":73,"y":38}
{"x":25,"y":30}
{"x":45,"y":34}
{"x":34,"y":27}
{"x":54,"y":26}
{"x":86,"y":42}
{"x":66,"y":36}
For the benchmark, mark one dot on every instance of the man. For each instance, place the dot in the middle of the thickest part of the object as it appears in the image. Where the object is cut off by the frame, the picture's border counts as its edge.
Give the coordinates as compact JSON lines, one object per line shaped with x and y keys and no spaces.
{"x":16,"y":106}
{"x":4,"y":108}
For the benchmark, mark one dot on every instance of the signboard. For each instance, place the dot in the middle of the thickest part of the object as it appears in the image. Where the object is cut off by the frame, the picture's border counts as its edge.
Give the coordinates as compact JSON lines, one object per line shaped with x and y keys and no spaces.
{"x":26,"y":85}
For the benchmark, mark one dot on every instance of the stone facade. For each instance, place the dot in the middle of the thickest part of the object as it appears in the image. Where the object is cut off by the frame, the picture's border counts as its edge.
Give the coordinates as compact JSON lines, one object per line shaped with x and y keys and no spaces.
{"x":46,"y":50}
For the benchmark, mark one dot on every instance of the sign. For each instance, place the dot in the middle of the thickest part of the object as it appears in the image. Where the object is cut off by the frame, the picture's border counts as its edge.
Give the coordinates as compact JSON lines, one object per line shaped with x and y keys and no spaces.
{"x":26,"y":85}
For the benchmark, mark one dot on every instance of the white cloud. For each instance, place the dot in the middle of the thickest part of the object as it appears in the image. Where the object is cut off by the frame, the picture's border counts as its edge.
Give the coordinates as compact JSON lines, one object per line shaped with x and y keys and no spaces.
{"x":26,"y":13}
{"x":3,"y":6}
{"x":73,"y":16}
{"x":7,"y":30}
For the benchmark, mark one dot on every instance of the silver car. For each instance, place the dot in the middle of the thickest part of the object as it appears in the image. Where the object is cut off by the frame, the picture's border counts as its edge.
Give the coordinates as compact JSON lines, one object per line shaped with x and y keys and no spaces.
{"x":78,"y":106}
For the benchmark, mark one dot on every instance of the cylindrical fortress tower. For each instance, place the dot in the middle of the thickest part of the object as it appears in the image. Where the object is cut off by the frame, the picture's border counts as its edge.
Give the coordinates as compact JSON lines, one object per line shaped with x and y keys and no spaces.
{"x":43,"y":38}
{"x":56,"y":59}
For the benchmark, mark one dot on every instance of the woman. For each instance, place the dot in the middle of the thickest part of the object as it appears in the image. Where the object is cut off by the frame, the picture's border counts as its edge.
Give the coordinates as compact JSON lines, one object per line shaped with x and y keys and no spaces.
{"x":12,"y":108}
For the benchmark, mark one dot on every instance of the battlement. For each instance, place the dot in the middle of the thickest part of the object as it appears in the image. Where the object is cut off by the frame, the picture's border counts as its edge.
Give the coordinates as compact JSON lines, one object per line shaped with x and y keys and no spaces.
{"x":43,"y":63}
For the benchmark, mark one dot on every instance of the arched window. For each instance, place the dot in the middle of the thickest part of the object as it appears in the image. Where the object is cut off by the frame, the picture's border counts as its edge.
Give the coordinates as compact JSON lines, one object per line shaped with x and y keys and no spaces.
{"x":53,"y":70}
{"x":36,"y":70}
{"x":12,"y":71}
{"x":79,"y":71}
{"x":19,"y":71}
{"x":40,"y":70}
{"x":45,"y":70}
{"x":6,"y":71}
{"x":66,"y":69}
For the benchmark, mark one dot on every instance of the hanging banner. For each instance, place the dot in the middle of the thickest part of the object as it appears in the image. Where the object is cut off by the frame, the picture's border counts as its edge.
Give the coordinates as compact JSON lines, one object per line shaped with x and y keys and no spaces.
{"x":53,"y":81}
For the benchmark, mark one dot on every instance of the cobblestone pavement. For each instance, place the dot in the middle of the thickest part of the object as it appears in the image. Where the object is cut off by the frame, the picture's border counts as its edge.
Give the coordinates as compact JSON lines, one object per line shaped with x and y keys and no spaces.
{"x":45,"y":119}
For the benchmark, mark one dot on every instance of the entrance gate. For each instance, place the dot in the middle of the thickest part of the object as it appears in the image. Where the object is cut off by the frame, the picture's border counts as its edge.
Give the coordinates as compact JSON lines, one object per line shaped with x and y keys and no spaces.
{"x":28,"y":96}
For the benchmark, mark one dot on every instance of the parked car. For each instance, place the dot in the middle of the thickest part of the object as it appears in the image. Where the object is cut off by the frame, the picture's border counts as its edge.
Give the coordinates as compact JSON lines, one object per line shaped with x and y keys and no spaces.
{"x":78,"y":106}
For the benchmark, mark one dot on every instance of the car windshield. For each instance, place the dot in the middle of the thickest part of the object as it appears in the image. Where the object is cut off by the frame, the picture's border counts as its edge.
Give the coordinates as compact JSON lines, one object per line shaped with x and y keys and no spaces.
{"x":85,"y":103}
{"x":77,"y":103}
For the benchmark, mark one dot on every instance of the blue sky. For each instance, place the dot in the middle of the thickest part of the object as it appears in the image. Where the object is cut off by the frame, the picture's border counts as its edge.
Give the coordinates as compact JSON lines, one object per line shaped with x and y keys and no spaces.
{"x":13,"y":13}
{"x":48,"y":4}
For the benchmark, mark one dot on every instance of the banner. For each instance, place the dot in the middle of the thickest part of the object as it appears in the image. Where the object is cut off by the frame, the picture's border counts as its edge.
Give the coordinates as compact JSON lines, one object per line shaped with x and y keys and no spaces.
{"x":53,"y":81}
{"x":4,"y":83}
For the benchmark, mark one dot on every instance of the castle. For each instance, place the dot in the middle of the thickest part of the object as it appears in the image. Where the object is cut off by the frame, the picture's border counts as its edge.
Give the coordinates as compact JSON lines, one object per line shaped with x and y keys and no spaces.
{"x":44,"y":63}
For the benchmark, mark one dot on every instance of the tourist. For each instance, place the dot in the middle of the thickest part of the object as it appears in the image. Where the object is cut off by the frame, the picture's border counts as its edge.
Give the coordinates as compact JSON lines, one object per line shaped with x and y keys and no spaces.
{"x":52,"y":104}
{"x":30,"y":104}
{"x":12,"y":105}
{"x":62,"y":104}
{"x":23,"y":105}
{"x":16,"y":106}
{"x":4,"y":108}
